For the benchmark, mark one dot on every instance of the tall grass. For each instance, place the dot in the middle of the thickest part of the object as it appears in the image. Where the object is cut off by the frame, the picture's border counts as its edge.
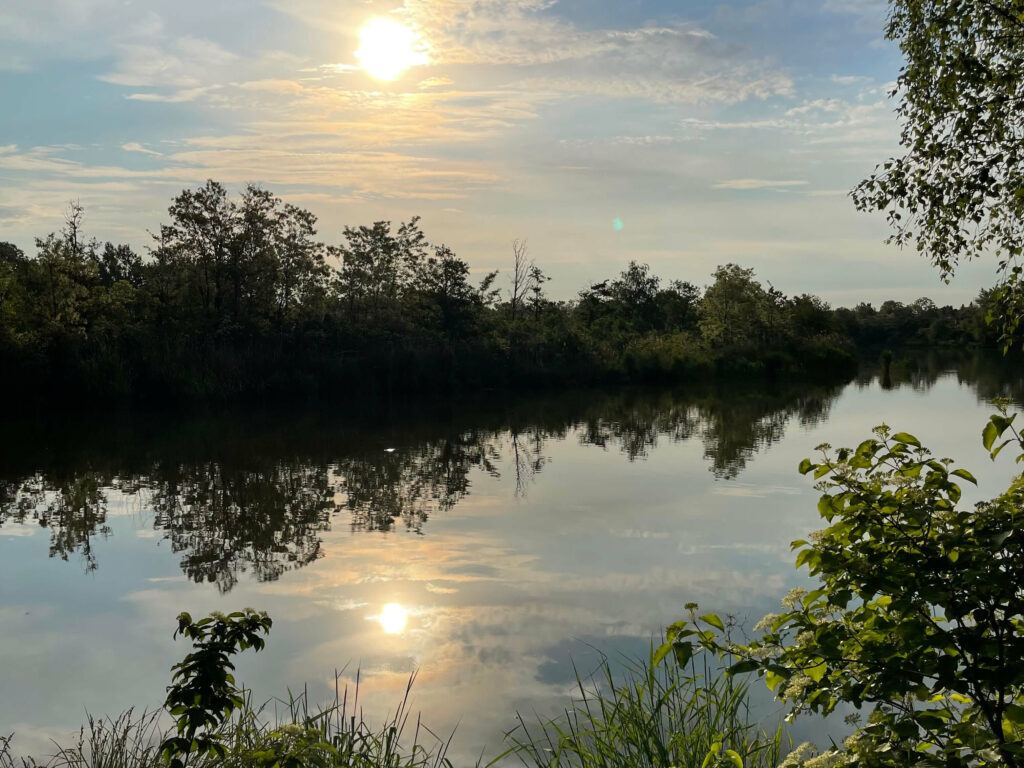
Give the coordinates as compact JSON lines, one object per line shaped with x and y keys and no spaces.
{"x":649,"y":715}
{"x":289,"y":733}
{"x":630,"y":715}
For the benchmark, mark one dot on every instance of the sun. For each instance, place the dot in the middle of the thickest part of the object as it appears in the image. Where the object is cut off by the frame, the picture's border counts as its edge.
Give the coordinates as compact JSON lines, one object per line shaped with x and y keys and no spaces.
{"x":387,"y":49}
{"x":393,"y":618}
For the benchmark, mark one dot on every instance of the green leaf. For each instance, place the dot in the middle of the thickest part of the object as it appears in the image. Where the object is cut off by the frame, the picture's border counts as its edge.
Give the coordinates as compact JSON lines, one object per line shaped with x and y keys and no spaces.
{"x":996,"y":426}
{"x":1003,"y":422}
{"x":905,"y":437}
{"x":714,"y":621}
{"x":1014,"y":714}
{"x":773,"y":680}
{"x":660,"y":653}
{"x":906,"y":729}
{"x":683,"y":653}
{"x":825,"y":506}
{"x":817,"y":672}
{"x":997,"y":450}
{"x":707,"y":760}
{"x":989,"y":435}
{"x":734,"y":758}
{"x":741,"y":667}
{"x":965,"y":475}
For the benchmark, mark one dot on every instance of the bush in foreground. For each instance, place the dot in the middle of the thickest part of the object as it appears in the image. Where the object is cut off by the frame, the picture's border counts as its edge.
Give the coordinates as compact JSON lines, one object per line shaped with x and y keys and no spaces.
{"x":919,"y":617}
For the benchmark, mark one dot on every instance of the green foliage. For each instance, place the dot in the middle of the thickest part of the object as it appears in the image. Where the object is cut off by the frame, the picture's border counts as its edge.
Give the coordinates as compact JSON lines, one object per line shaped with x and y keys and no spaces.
{"x":919,"y":614}
{"x":735,"y":309}
{"x":240,"y":298}
{"x":957,"y":192}
{"x":126,"y":741}
{"x":202,"y":694}
{"x":651,"y":714}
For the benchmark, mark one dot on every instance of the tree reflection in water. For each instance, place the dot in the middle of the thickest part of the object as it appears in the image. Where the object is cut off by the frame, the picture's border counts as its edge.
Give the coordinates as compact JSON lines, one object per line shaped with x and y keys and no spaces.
{"x":253,"y":495}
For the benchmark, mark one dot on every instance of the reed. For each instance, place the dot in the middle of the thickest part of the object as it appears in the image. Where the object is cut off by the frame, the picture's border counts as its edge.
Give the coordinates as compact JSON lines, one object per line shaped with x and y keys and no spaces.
{"x":289,"y":733}
{"x":642,"y":714}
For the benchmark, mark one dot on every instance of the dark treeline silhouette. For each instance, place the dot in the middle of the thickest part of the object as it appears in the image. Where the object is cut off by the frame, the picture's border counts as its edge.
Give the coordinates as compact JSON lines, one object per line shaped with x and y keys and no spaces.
{"x":254,"y":492}
{"x":235,"y":494}
{"x":920,"y":324}
{"x":238,"y":297}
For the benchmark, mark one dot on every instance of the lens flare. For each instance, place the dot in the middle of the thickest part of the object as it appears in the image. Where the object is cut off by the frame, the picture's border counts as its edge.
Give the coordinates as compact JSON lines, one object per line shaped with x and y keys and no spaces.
{"x":387,"y":49}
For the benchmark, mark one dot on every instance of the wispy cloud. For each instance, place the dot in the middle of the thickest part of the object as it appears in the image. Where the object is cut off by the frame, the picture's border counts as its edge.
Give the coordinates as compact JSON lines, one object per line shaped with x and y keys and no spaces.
{"x":12,"y":62}
{"x":760,"y":183}
{"x":358,"y":174}
{"x":134,"y":146}
{"x":850,"y":79}
{"x":187,"y":62}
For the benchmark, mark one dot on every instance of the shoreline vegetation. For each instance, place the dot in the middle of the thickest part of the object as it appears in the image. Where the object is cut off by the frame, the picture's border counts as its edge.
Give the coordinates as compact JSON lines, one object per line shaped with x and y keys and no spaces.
{"x":631,"y":712}
{"x":238,"y":300}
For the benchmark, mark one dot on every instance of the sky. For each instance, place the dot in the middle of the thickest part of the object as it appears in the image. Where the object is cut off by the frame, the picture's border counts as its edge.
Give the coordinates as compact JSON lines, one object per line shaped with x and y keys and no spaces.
{"x":679,"y":134}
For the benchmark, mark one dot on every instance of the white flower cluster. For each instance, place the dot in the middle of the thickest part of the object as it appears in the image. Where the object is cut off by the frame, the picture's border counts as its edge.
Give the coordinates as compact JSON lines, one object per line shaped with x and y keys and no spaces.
{"x":796,"y":685}
{"x":799,"y":756}
{"x":805,"y":756}
{"x":828,"y":759}
{"x":794,"y":598}
{"x":765,"y":624}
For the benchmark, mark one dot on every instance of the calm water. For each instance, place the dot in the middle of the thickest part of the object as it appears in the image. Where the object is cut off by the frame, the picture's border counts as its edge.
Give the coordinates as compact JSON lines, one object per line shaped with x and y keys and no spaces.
{"x":510,"y":539}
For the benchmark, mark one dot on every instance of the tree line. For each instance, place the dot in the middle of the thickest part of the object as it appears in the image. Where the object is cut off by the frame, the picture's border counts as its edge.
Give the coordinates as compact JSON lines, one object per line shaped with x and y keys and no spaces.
{"x":238,"y":297}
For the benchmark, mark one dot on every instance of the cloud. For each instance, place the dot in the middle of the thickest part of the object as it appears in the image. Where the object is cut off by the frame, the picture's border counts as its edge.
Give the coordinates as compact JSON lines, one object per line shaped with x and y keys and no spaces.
{"x":175,"y":97}
{"x":277,"y":162}
{"x":828,"y":193}
{"x":872,"y":8}
{"x":134,"y":146}
{"x":436,"y":82}
{"x":697,"y":125}
{"x":727,"y":87}
{"x":864,"y":127}
{"x":187,"y":63}
{"x":817,"y":105}
{"x":525,"y":43}
{"x":851,"y":79}
{"x":870,"y":15}
{"x":759,"y":184}
{"x":12,"y":62}
{"x":44,"y":21}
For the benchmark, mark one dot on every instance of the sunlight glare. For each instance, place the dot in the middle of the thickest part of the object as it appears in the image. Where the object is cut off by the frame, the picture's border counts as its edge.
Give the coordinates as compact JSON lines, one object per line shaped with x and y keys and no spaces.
{"x":393,"y":618}
{"x":388,"y":48}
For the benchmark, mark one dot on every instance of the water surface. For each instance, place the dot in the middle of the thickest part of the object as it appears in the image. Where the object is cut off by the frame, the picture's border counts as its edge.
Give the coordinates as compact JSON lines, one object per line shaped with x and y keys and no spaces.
{"x":487,"y":545}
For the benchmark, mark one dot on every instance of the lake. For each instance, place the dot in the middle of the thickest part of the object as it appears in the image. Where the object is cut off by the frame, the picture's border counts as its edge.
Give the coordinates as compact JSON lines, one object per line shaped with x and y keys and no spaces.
{"x":489,"y":544}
